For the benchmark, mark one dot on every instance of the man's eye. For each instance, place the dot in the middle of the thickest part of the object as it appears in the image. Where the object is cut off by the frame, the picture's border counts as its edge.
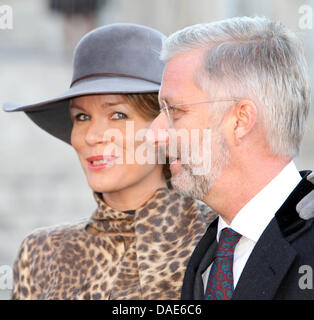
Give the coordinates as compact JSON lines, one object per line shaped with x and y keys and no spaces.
{"x":118,"y":116}
{"x":177,"y":113}
{"x":81,"y":117}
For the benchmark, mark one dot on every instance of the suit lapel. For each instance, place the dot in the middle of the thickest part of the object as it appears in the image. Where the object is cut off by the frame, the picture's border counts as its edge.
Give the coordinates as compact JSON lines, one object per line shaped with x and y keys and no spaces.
{"x":192,"y":284}
{"x":205,"y":263}
{"x":266,"y":267}
{"x":273,"y":254}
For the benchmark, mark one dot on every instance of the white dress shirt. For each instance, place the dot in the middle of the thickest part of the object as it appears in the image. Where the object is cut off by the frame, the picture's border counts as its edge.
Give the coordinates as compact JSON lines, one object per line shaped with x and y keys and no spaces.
{"x":253,"y":218}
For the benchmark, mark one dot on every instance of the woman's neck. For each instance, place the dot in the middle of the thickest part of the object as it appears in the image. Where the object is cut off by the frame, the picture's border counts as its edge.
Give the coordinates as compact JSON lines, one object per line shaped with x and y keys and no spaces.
{"x":136,"y":195}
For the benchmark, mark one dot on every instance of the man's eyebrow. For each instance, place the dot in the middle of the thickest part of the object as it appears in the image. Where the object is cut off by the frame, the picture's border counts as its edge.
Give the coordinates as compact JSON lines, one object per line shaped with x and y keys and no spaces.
{"x":166,"y":99}
{"x":171,"y":101}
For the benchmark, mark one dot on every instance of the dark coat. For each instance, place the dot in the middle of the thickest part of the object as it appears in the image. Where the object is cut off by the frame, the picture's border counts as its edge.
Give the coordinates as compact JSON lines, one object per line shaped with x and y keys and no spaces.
{"x":273,"y":268}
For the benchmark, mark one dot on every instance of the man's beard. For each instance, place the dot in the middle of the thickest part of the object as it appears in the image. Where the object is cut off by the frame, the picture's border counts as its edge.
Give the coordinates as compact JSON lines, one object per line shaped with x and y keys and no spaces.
{"x":189,"y":184}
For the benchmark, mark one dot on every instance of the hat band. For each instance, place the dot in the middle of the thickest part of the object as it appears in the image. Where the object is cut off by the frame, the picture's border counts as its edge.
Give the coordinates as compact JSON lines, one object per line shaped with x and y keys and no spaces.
{"x":112,"y":75}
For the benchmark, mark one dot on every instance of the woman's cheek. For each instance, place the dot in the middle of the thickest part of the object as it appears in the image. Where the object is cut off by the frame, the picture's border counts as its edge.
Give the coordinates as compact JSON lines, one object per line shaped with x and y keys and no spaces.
{"x":76,"y":138}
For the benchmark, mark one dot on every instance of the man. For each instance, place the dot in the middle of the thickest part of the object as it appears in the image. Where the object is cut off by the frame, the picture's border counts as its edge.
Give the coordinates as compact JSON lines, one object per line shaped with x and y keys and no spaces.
{"x":245,"y":80}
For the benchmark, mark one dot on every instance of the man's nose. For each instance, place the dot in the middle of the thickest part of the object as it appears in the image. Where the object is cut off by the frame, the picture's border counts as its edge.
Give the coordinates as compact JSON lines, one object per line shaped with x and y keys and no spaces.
{"x":158,"y":130}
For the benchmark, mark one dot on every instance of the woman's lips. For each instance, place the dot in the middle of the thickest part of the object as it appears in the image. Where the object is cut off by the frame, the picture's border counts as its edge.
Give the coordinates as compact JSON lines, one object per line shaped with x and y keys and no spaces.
{"x":100,"y":162}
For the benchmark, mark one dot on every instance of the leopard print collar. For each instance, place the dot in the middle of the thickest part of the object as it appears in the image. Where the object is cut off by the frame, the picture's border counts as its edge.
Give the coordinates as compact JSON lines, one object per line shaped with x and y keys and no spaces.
{"x":109,"y":220}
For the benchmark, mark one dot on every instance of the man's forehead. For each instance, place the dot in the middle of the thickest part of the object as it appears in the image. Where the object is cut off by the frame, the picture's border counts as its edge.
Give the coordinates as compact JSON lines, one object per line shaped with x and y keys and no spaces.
{"x":190,"y":60}
{"x":180,"y":74}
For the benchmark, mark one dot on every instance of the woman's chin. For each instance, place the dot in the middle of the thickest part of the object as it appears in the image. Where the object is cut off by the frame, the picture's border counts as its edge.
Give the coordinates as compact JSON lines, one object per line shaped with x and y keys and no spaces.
{"x":104,"y":184}
{"x":102,"y":188}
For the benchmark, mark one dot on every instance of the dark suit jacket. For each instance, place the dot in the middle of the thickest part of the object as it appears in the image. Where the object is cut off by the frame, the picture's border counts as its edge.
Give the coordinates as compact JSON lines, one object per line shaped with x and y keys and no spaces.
{"x":273,"y":268}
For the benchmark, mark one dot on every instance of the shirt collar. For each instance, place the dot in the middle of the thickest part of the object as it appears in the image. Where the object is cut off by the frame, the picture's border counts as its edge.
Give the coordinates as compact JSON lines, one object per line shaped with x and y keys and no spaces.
{"x":253,"y":218}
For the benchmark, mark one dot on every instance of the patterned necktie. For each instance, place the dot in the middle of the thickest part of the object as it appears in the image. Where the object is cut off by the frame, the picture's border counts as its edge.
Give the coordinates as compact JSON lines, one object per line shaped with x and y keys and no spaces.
{"x":220,"y":280}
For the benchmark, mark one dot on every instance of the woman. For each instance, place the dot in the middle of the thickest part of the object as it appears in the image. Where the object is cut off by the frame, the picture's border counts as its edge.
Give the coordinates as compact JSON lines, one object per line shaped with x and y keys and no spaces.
{"x":138,"y":241}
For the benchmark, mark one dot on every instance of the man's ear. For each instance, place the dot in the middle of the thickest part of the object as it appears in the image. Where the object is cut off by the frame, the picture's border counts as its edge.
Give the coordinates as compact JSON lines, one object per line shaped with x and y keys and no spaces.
{"x":244,"y":119}
{"x":305,"y":207}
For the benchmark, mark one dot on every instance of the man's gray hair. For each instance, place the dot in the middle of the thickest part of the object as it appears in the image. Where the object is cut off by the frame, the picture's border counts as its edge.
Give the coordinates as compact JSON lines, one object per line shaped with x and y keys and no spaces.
{"x":257,"y":59}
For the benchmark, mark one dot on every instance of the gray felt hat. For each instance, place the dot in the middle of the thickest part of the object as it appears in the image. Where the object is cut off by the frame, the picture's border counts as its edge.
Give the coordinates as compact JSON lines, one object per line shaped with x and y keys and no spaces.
{"x":118,"y":58}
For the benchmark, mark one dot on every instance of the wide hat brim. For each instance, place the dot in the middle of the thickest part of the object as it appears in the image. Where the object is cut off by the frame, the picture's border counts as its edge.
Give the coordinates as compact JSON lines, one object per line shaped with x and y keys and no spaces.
{"x":120,"y":58}
{"x":53,"y":115}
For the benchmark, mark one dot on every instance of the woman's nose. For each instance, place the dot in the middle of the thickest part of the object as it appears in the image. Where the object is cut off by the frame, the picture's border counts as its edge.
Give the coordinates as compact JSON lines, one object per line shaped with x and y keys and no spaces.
{"x":95,"y":132}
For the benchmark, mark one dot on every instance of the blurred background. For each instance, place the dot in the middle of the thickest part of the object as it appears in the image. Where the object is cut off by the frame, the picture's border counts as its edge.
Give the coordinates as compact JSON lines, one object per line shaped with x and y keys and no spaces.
{"x":41,"y":182}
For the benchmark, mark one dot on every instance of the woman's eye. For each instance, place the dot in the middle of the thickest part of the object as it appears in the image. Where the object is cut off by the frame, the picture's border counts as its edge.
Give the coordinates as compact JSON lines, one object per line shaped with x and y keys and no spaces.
{"x":118,"y":116}
{"x":81,"y":117}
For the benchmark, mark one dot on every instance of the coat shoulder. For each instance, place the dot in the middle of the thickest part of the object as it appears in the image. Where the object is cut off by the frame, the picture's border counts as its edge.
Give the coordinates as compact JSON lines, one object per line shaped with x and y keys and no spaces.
{"x":37,"y":249}
{"x":47,"y":238}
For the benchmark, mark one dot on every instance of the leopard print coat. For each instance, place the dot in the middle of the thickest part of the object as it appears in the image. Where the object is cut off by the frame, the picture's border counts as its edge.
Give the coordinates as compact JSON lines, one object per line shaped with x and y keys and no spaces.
{"x":113,"y":255}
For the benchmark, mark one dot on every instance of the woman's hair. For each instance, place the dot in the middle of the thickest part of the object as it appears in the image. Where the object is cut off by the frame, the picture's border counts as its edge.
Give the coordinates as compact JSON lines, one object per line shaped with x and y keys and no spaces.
{"x":147,"y":105}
